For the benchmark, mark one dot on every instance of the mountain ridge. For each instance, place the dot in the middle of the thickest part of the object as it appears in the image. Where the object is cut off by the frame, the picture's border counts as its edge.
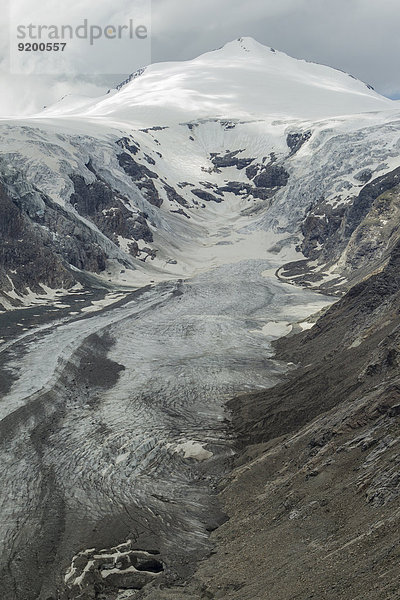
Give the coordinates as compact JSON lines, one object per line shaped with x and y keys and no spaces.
{"x":266,"y":83}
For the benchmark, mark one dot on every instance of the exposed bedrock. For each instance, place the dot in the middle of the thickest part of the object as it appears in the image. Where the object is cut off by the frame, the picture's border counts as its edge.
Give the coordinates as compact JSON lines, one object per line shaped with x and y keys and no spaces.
{"x":354,"y":239}
{"x":296,"y":140}
{"x":142,"y":176}
{"x":230,"y":159}
{"x":104,"y":208}
{"x":39,"y":242}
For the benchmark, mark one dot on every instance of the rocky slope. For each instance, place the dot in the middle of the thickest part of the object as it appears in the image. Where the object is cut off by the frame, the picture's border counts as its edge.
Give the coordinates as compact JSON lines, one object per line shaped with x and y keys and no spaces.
{"x":350,"y":240}
{"x":314,"y":498}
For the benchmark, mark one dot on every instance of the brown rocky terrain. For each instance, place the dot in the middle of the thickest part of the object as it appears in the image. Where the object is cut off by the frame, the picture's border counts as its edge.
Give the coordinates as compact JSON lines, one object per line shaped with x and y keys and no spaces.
{"x":314,"y":497}
{"x":353,"y":239}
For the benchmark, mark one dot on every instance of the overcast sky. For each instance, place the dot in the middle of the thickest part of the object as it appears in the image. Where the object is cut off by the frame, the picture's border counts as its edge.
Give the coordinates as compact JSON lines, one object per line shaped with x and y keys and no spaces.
{"x":358,"y":36}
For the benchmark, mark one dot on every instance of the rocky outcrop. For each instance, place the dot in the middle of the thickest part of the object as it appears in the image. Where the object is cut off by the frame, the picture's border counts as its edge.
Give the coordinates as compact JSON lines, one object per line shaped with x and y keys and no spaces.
{"x":206,"y":196}
{"x":266,"y":179}
{"x":38,"y":243}
{"x":350,"y":240}
{"x":98,"y":202}
{"x":268,"y":176}
{"x":296,"y":140}
{"x":173,"y":196}
{"x":142,"y":176}
{"x":230,"y":159}
{"x":129,"y":144}
{"x":359,"y":208}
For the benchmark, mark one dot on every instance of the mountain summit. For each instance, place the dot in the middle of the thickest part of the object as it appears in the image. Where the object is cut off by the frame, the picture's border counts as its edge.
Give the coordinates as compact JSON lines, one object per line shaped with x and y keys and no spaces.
{"x":242,"y":80}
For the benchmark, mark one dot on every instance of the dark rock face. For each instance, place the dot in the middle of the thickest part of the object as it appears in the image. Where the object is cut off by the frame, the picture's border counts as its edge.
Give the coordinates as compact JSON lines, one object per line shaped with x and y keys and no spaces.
{"x":361,"y":205}
{"x":40,"y":240}
{"x":361,"y":233}
{"x":98,"y":202}
{"x":91,"y":199}
{"x":296,"y":140}
{"x":230,"y":159}
{"x":149,"y":159}
{"x":128,"y":144}
{"x":206,"y":196}
{"x":173,"y":195}
{"x":271,"y":176}
{"x":155,"y":128}
{"x":38,"y":247}
{"x":142,"y":176}
{"x":180,"y":211}
{"x":264,"y":193}
{"x":228,"y":125}
{"x":265,"y":180}
{"x":319,"y":227}
{"x":235,"y":187}
{"x":134,"y":169}
{"x":268,"y":176}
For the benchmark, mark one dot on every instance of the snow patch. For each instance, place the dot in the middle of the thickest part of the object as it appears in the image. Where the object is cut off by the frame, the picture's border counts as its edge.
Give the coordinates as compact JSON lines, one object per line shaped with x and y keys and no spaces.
{"x":192,"y":449}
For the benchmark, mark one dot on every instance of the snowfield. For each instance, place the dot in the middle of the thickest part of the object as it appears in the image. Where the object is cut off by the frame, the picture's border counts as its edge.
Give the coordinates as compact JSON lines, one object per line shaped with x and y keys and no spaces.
{"x":243,"y":80}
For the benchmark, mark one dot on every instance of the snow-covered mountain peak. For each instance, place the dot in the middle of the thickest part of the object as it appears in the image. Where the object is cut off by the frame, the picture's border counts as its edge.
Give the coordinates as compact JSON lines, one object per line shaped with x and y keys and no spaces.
{"x":245,"y":44}
{"x":242,"y":80}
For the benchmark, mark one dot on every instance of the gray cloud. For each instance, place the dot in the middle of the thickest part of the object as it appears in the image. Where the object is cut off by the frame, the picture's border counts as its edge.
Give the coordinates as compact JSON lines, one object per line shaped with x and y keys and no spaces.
{"x":358,"y":36}
{"x":50,"y":76}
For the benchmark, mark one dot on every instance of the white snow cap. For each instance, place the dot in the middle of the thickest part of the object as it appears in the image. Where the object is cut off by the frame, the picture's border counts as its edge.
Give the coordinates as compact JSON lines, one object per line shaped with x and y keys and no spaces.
{"x":241,"y":80}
